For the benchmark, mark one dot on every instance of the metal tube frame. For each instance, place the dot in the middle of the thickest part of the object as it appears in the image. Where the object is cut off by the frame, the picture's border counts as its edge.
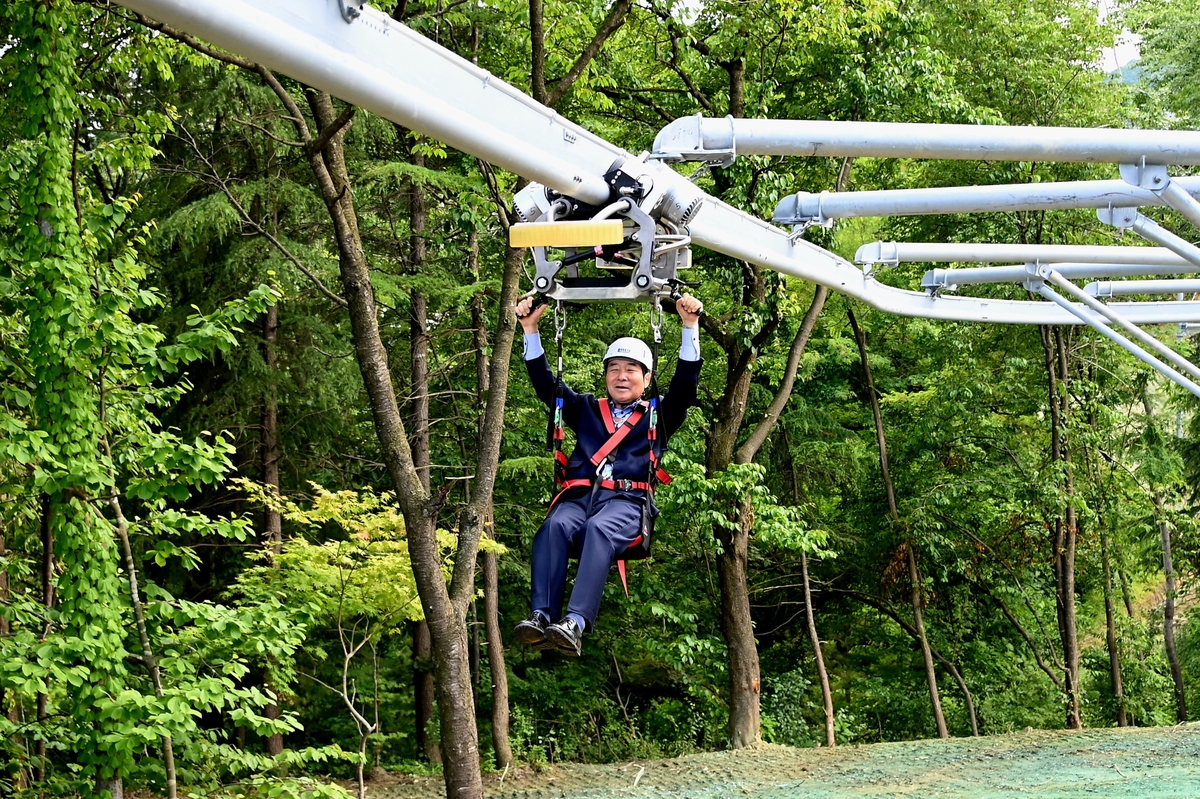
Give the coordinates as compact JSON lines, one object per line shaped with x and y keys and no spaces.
{"x":808,"y":208}
{"x":1144,"y":338}
{"x":373,"y":62}
{"x":698,"y":138}
{"x":1119,"y":288}
{"x":1087,"y":317}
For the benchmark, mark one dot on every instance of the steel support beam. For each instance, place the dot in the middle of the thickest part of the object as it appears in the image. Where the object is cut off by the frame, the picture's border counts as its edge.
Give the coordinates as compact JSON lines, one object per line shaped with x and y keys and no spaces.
{"x":893,"y":252}
{"x":1141,"y":336}
{"x":805,"y":207}
{"x":1152,"y":231}
{"x":704,"y":139}
{"x":386,"y":68}
{"x":1120,"y":288}
{"x":949,"y":279}
{"x":1177,"y":196}
{"x":1096,"y":322}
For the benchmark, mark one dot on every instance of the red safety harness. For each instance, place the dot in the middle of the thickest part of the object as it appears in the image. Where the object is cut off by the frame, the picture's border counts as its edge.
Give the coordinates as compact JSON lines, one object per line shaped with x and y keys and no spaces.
{"x":656,"y":475}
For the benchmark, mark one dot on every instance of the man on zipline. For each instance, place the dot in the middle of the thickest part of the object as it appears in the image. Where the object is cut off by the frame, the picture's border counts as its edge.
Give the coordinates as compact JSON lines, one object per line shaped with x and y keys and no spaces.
{"x":608,"y":480}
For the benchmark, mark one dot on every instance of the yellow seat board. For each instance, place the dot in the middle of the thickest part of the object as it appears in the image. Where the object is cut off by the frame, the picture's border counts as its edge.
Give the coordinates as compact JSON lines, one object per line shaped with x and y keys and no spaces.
{"x":586,"y":233}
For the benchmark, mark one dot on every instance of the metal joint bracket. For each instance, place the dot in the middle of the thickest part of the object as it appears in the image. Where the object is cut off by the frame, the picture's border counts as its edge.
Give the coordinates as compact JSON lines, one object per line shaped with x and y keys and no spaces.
{"x":697,"y":139}
{"x":1120,"y":218}
{"x":1152,"y":177}
{"x":350,"y":10}
{"x":1037,"y":274}
{"x":936,"y":281}
{"x":802,"y":208}
{"x":879,"y":253}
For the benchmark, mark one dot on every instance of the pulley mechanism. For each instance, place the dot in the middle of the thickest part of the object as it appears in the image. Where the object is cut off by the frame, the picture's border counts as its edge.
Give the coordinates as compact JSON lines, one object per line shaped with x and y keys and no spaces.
{"x":637,"y":242}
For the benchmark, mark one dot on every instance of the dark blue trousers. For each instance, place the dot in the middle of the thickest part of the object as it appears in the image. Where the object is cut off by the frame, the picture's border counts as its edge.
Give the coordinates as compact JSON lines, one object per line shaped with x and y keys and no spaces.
{"x":613,"y":525}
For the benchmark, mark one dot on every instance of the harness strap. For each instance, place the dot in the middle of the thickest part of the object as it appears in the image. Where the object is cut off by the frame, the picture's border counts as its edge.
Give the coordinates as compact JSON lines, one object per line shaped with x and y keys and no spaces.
{"x":606,"y":412}
{"x":617,"y":437}
{"x":611,"y":485}
{"x":621,"y":566}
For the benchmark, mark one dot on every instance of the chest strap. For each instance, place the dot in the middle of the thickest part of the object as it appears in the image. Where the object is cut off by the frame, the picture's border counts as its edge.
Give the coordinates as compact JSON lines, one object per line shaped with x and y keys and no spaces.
{"x":618,"y":434}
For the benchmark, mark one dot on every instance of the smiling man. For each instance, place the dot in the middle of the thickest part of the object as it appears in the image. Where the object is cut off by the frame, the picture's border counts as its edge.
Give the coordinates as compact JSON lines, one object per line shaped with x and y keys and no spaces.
{"x":599,"y":512}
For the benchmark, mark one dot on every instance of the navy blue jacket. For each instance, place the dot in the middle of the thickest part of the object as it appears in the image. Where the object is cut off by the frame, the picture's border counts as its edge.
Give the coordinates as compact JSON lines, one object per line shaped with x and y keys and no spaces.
{"x":581,"y":413}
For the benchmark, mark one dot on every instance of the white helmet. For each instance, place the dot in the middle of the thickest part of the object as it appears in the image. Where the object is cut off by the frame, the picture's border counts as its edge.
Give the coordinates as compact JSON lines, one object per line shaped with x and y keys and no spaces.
{"x":633,"y":349}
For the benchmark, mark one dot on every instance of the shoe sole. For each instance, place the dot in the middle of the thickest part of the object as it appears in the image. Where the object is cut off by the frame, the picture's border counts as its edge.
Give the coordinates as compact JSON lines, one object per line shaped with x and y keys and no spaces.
{"x":530,"y":636}
{"x":563,"y":643}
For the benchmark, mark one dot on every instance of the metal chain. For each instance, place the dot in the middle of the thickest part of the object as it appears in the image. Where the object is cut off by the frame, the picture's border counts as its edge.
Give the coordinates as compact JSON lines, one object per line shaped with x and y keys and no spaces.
{"x":560,"y":320}
{"x":656,"y":319}
{"x":560,"y":325}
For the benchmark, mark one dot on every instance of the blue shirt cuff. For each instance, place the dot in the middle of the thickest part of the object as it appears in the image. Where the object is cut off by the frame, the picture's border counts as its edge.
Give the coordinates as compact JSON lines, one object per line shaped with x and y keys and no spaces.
{"x":533,"y":346}
{"x":689,"y":347}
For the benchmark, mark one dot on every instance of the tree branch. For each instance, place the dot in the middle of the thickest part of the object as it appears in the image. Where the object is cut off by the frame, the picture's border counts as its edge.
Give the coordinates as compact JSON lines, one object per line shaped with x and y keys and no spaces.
{"x":611,"y":24}
{"x":318,"y":144}
{"x":1008,"y":614}
{"x":749,"y":449}
{"x":882,"y":607}
{"x":253,"y":223}
{"x":267,"y":133}
{"x":194,"y":43}
{"x":692,"y":88}
{"x":714,"y":330}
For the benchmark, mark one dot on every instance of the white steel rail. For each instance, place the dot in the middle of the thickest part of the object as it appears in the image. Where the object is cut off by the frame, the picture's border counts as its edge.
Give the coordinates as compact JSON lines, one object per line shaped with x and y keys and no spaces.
{"x":892,"y":252}
{"x":808,"y":207}
{"x":701,"y":139}
{"x":388,"y":69}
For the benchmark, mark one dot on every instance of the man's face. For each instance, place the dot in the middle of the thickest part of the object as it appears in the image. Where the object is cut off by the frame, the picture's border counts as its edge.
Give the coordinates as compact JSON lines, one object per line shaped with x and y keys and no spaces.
{"x":625,"y":380}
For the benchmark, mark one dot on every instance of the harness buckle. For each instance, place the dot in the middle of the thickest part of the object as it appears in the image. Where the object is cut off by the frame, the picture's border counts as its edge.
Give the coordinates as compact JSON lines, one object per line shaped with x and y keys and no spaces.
{"x":623,"y":485}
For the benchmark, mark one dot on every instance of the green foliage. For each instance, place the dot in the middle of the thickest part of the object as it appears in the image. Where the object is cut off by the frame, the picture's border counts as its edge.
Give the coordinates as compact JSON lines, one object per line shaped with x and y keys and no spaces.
{"x":135,"y":364}
{"x":363,"y":577}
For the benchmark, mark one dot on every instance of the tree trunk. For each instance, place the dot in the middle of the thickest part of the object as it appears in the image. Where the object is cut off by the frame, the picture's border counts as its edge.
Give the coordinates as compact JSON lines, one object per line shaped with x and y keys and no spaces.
{"x":447,"y":623}
{"x":537,"y":51}
{"x":148,"y":658}
{"x":826,"y":694}
{"x":914,"y":576}
{"x":39,"y":774}
{"x":270,"y":454}
{"x":736,"y":622}
{"x":737,"y":626}
{"x":926,"y":654}
{"x":810,"y":618}
{"x":1055,"y":347}
{"x":738,"y":629}
{"x":491,"y":579}
{"x":418,"y":328}
{"x":1164,"y":532}
{"x":423,"y":683}
{"x":1110,"y":626}
{"x":475,"y":651}
{"x":427,"y":744}
{"x":114,"y":787}
{"x":272,"y":519}
{"x":495,"y":653}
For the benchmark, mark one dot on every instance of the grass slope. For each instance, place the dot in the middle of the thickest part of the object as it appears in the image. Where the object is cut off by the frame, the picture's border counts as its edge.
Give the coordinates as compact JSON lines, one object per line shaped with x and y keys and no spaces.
{"x":1141,"y":763}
